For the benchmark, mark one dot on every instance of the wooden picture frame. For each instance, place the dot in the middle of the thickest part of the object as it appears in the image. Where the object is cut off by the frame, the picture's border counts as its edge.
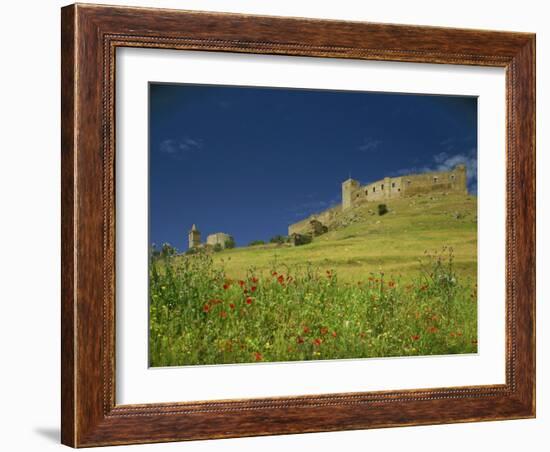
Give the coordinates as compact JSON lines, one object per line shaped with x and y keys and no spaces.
{"x":90,"y":36}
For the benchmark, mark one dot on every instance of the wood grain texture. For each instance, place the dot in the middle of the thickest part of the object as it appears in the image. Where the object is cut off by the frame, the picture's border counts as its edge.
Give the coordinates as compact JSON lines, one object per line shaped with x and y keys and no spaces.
{"x":90,"y":36}
{"x":67,"y":224}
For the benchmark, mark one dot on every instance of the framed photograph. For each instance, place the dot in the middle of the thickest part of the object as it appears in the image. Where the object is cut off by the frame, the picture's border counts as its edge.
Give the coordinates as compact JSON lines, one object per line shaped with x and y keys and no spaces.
{"x":281,"y":225}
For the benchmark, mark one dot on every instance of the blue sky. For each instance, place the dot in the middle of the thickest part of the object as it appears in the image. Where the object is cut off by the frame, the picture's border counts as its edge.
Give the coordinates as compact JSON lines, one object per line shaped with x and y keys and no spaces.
{"x":249,"y":161}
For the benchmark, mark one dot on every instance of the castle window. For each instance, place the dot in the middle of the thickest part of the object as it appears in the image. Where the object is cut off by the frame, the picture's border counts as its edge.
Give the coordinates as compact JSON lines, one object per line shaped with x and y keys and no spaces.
{"x":435,"y":180}
{"x":373,"y":189}
{"x":382,"y":187}
{"x":393,"y":185}
{"x":408,"y":182}
{"x":452,"y":177}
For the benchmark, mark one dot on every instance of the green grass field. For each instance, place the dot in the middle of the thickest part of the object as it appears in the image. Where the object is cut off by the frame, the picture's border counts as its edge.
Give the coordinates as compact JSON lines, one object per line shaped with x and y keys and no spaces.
{"x":391,"y":243}
{"x":394,"y":285}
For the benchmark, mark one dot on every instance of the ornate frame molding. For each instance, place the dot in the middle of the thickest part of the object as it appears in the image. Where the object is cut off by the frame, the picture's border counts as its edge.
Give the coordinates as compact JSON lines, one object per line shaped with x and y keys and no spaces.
{"x":90,"y":36}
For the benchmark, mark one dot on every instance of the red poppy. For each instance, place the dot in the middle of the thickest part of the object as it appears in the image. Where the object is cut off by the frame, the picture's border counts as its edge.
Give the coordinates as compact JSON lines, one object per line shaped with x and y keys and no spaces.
{"x":300,"y":340}
{"x":223,"y":314}
{"x":225,"y":286}
{"x":334,"y":334}
{"x":232,"y":305}
{"x":323,"y":330}
{"x":241,"y":283}
{"x":248,"y":300}
{"x":206,"y":308}
{"x":245,"y":291}
{"x":258,"y":356}
{"x":281,"y":279}
{"x":433,"y":329}
{"x":317,"y":342}
{"x":415,"y":337}
{"x":253,"y":289}
{"x":254,"y":279}
{"x":274,"y":273}
{"x":306,"y":329}
{"x":391,"y":284}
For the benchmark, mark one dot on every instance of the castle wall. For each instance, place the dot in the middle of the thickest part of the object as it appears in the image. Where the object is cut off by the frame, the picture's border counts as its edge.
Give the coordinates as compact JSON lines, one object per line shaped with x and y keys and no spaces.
{"x":410,"y":185}
{"x":219,"y":238}
{"x":383,"y":189}
{"x":452,"y":181}
{"x":300,"y":227}
{"x":353,"y":193}
{"x":304,"y":226}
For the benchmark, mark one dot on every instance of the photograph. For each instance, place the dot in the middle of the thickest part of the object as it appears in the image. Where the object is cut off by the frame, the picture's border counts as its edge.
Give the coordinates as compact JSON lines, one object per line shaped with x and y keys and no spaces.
{"x":294,"y":224}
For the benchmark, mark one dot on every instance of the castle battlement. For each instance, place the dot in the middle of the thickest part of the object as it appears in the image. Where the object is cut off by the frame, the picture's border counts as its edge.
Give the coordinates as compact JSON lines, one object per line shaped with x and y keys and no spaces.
{"x":354,"y":194}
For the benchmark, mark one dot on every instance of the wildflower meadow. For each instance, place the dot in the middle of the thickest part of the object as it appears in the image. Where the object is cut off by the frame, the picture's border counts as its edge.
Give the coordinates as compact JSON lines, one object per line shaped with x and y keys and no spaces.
{"x":200,"y":316}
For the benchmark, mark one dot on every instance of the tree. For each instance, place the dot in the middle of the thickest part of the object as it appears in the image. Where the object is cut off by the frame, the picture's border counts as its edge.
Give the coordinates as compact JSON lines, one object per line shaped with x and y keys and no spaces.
{"x":256,"y":242}
{"x":382,"y":209}
{"x":279,"y":239}
{"x":168,"y":250}
{"x":300,"y":239}
{"x":230,"y":243}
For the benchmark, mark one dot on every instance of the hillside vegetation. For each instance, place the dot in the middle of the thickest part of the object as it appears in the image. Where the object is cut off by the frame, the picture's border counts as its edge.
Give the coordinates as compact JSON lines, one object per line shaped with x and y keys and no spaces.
{"x":363,"y":242}
{"x":400,"y":284}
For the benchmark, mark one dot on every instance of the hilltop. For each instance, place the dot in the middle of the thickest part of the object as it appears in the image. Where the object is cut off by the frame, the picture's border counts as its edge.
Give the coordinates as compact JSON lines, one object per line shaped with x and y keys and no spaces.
{"x":361,"y":242}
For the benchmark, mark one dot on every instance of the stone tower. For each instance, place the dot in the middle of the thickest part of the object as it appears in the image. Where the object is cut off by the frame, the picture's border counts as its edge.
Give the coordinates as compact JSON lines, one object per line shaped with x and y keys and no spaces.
{"x":194,"y":237}
{"x":348,"y":187}
{"x":462,"y":178}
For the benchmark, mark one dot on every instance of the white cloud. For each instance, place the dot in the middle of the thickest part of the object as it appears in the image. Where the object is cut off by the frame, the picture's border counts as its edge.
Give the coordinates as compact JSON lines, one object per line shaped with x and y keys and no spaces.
{"x":445,"y":162}
{"x":469,"y":160}
{"x":369,"y":144}
{"x":180,"y":147}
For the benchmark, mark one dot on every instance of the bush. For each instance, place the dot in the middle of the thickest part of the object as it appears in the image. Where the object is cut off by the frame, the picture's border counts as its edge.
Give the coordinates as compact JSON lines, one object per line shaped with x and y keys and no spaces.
{"x":230,"y":243}
{"x":217,"y":247}
{"x":154,"y":252}
{"x":382,"y":209}
{"x":167,"y":250}
{"x":191,"y":251}
{"x":256,"y":242}
{"x":279,"y":239}
{"x":301,"y":239}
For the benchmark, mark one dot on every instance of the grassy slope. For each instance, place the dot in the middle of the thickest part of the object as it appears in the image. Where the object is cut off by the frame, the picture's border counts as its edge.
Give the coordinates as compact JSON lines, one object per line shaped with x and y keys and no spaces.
{"x":391,"y":243}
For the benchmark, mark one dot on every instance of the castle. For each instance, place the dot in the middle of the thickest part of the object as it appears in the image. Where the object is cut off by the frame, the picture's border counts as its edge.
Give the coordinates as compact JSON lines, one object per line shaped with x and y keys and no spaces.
{"x":219,"y":238}
{"x":354,"y":194}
